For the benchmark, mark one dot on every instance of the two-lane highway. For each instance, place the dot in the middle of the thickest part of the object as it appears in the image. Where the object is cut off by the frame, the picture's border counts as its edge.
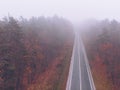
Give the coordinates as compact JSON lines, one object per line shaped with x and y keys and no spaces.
{"x":80,"y":77}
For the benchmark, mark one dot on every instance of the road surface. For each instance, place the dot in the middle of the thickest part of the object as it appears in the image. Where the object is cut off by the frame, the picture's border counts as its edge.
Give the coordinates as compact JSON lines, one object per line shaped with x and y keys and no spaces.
{"x":80,"y":77}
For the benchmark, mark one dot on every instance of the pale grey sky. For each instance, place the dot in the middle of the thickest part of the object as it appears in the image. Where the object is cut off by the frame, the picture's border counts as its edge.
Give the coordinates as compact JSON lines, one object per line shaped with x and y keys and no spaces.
{"x":74,"y":10}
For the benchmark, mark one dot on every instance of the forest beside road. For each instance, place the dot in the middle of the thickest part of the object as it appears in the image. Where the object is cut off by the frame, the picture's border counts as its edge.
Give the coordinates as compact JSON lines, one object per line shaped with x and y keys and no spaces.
{"x":35,"y":54}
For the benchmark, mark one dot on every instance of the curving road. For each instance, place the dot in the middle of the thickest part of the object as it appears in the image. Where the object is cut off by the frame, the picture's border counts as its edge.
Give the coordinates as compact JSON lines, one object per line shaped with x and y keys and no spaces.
{"x":80,"y":77}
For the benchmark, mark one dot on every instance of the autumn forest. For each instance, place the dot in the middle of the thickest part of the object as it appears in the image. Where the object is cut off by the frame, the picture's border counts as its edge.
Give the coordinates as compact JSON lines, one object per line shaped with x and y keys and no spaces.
{"x":102,"y":42}
{"x":35,"y":53}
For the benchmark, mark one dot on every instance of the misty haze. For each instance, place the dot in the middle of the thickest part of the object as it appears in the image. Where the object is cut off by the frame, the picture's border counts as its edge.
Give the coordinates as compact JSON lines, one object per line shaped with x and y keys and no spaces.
{"x":59,"y":45}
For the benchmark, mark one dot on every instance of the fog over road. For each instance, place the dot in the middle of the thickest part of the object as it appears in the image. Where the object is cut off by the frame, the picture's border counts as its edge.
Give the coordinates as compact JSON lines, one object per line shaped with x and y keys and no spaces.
{"x":80,"y":77}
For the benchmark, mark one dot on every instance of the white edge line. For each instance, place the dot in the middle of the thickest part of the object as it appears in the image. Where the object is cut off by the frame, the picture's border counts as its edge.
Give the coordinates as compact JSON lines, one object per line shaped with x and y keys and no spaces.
{"x":70,"y":69}
{"x":88,"y":70}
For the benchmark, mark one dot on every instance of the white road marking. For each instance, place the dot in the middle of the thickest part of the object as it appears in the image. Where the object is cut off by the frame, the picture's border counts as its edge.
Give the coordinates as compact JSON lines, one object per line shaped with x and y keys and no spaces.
{"x":79,"y":66}
{"x":88,"y":68}
{"x":77,"y":42}
{"x":68,"y":87}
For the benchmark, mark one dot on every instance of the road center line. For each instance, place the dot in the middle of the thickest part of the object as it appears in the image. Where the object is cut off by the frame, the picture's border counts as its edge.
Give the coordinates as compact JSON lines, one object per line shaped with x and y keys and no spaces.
{"x":79,"y":66}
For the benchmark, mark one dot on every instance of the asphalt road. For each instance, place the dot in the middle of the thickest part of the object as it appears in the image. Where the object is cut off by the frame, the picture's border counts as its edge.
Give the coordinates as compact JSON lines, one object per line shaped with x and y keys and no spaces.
{"x":80,"y":77}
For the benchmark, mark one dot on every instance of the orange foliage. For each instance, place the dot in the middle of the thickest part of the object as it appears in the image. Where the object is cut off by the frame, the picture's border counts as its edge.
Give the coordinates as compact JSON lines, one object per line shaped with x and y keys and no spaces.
{"x":105,"y":46}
